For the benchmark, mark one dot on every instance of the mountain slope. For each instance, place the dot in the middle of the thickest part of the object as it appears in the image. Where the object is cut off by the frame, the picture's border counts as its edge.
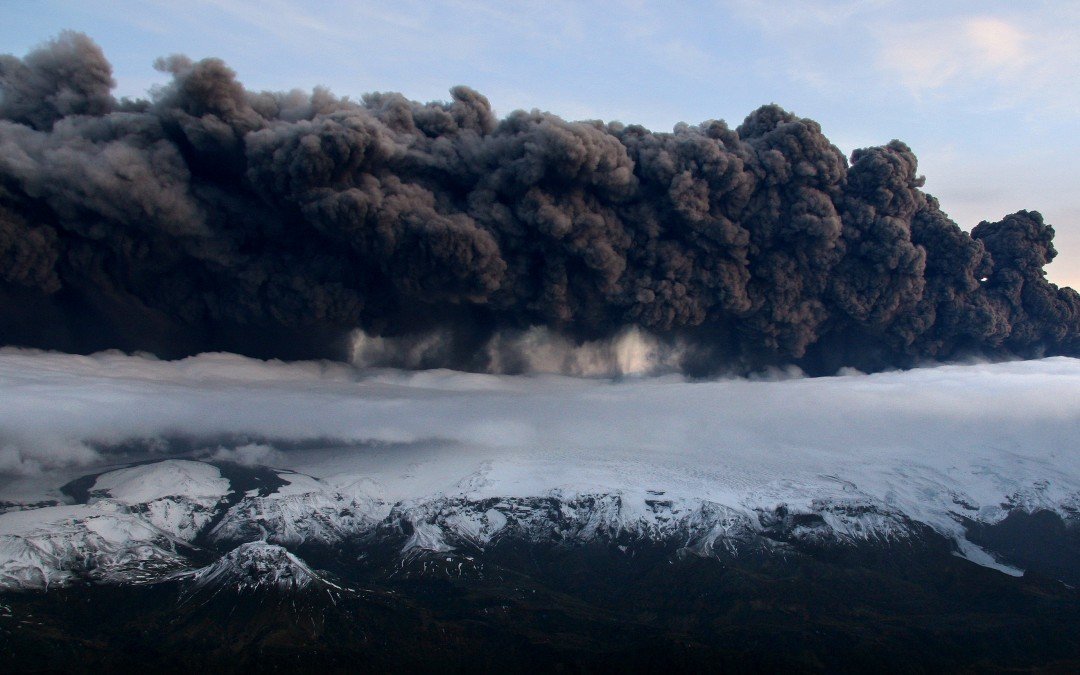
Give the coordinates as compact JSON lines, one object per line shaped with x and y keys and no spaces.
{"x":158,"y":518}
{"x":453,"y":520}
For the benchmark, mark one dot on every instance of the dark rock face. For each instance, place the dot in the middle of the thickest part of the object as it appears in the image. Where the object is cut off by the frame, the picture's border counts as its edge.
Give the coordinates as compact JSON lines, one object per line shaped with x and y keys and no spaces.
{"x":1041,"y":542}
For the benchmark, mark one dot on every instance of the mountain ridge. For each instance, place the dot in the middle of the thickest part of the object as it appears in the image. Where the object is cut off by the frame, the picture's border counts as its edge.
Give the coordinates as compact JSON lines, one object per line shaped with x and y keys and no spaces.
{"x":121,"y":539}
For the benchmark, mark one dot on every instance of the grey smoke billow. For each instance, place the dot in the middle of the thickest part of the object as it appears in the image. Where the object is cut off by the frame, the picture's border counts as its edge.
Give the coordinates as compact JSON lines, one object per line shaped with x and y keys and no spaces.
{"x":215,"y":218}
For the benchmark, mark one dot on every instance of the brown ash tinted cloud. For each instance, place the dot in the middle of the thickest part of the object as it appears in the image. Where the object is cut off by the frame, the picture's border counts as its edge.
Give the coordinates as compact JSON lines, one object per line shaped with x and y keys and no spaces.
{"x":211,"y":217}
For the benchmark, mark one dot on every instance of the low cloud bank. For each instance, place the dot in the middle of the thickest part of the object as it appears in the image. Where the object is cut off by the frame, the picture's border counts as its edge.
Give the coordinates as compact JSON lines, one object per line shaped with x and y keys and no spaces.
{"x":1020,"y":419}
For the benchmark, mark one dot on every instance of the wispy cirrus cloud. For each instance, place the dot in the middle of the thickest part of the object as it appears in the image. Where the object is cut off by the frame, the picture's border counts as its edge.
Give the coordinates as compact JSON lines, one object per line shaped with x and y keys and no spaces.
{"x":1012,"y":60}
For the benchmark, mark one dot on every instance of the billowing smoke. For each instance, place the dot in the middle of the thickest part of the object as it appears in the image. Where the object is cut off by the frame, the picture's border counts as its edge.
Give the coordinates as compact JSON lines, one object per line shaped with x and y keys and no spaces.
{"x":537,"y":350}
{"x":279,"y":224}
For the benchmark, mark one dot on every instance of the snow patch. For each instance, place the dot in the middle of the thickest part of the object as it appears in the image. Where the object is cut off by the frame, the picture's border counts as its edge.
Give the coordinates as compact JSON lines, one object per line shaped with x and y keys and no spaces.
{"x":169,"y":478}
{"x":256,"y":565}
{"x":103,"y":542}
{"x":177,"y":496}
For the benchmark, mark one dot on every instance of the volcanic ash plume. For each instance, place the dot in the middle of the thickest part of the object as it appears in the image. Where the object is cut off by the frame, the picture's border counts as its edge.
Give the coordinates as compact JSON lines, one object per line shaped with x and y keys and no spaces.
{"x":280,"y":224}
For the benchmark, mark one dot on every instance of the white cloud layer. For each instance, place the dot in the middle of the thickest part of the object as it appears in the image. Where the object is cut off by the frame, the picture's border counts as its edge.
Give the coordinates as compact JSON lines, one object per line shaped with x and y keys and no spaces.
{"x":985,"y":430}
{"x":249,"y":454}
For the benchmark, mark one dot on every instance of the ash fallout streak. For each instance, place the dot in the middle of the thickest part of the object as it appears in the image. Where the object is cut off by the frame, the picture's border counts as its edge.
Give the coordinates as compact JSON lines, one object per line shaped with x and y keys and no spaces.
{"x":271,"y":224}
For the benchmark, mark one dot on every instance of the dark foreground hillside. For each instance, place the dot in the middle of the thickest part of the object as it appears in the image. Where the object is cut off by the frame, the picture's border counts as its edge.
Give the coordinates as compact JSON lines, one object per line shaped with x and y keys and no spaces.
{"x":912,"y":607}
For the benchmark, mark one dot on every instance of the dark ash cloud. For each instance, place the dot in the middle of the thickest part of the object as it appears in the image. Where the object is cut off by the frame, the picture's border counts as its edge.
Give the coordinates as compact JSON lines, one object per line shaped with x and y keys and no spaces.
{"x":272,"y":224}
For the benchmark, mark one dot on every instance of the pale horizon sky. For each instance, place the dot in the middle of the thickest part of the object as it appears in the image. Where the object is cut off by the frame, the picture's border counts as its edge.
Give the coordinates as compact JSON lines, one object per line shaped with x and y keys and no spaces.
{"x":986,"y":93}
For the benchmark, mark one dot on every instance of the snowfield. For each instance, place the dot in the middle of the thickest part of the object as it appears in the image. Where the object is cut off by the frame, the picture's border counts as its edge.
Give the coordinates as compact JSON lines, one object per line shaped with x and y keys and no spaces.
{"x":459,"y":460}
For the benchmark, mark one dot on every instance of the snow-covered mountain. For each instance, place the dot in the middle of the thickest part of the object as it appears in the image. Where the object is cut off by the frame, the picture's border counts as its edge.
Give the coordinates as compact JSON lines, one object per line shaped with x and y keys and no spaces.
{"x":386,"y":515}
{"x":256,"y":565}
{"x":146,"y":522}
{"x":133,"y":528}
{"x":429,"y":463}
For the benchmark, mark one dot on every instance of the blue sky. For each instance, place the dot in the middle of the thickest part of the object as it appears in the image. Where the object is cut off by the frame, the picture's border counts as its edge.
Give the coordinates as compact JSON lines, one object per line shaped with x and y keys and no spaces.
{"x":986,"y":93}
